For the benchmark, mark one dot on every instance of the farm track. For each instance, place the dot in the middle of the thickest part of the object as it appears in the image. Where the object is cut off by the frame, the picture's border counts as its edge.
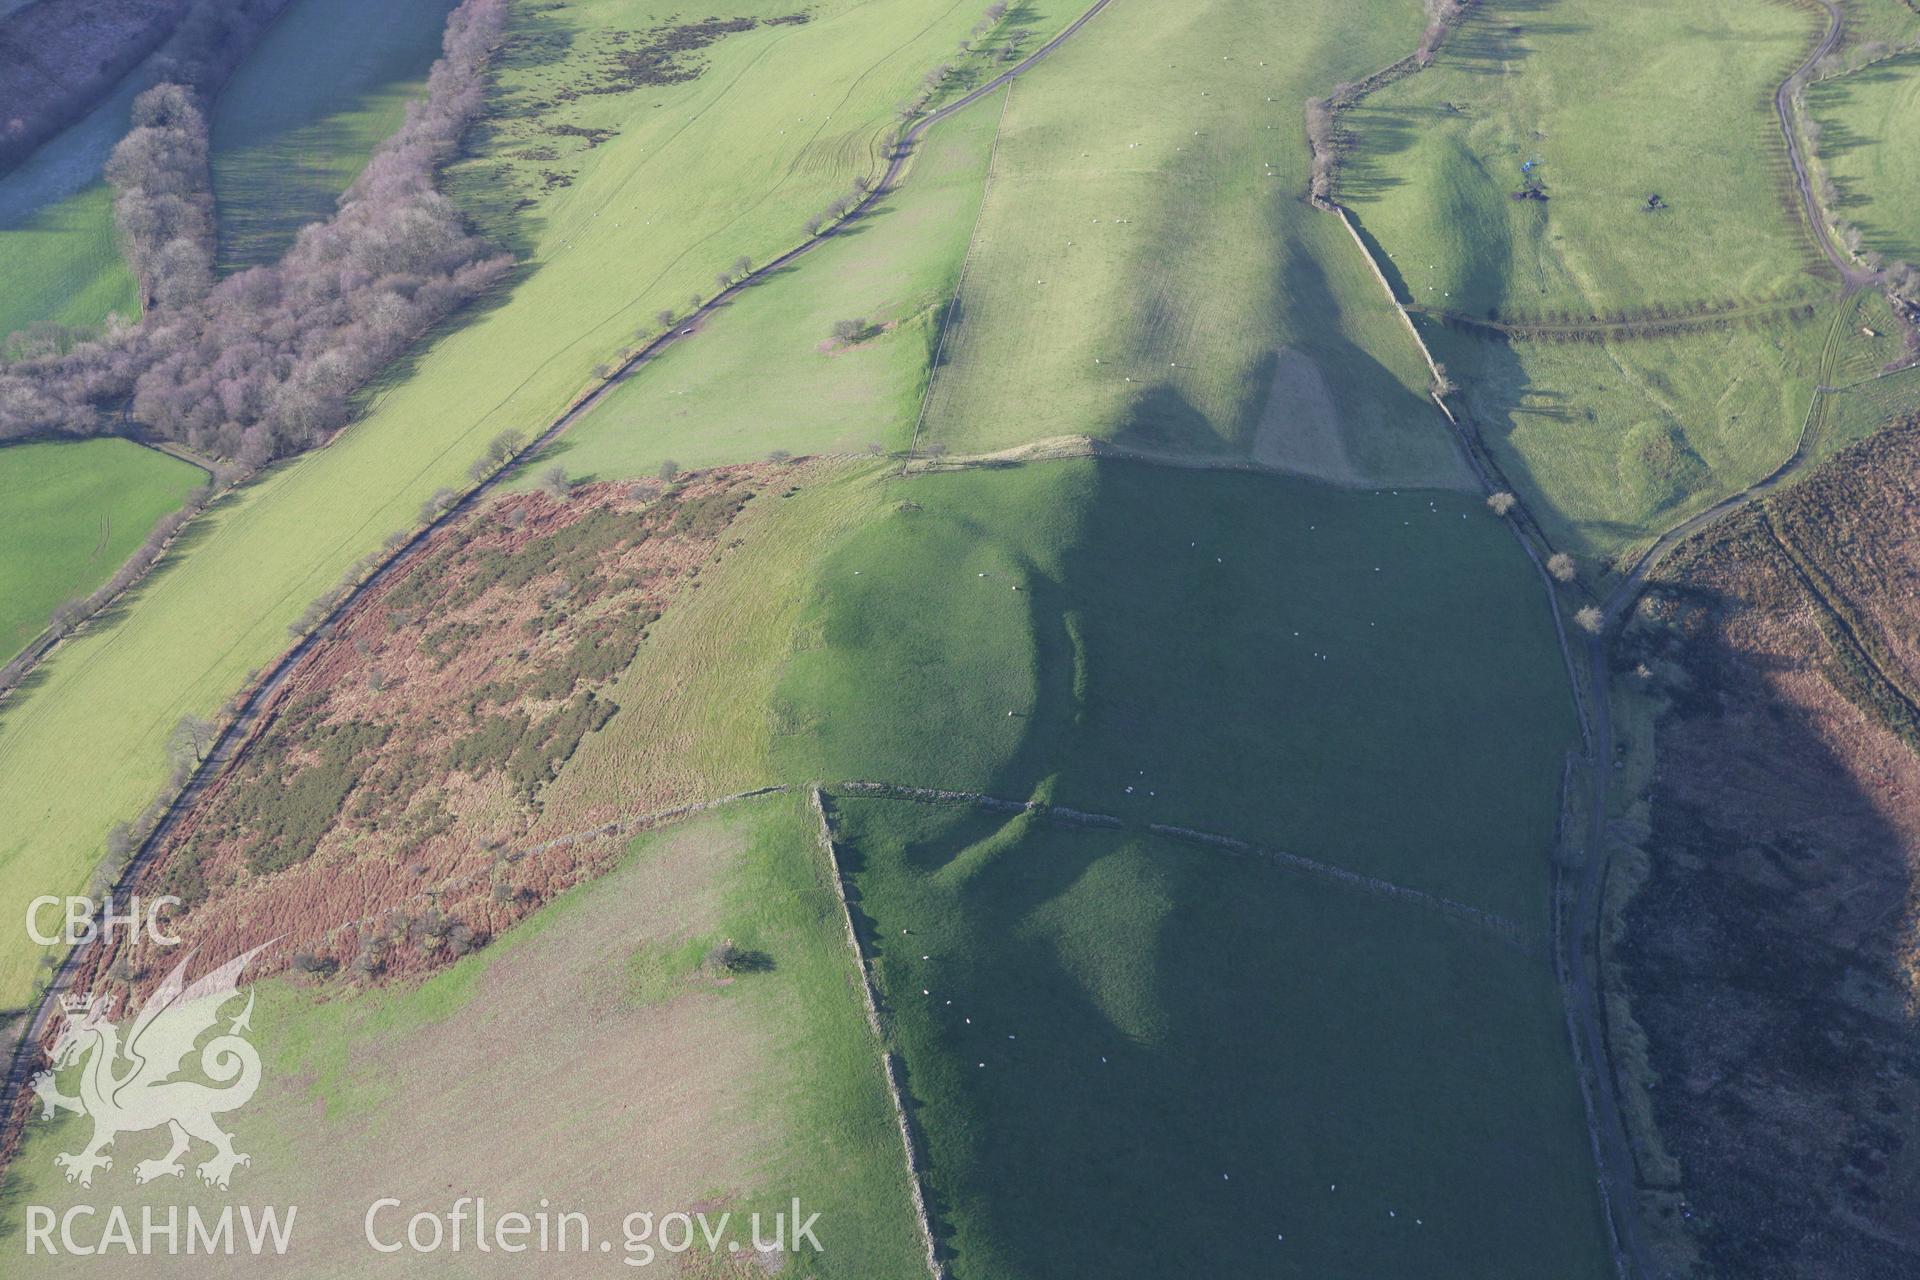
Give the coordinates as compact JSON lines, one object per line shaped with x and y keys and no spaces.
{"x":1584,"y":953}
{"x":231,"y":744}
{"x":1852,"y":276}
{"x":1578,"y":950}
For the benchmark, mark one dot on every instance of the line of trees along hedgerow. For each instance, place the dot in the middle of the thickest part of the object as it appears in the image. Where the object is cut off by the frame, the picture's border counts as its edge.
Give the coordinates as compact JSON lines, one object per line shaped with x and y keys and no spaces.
{"x":263,"y":363}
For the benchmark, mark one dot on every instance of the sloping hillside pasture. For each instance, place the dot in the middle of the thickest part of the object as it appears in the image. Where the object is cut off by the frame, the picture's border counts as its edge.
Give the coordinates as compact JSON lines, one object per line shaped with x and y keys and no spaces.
{"x":1252,"y":655}
{"x":1610,"y":103}
{"x":56,"y":227}
{"x":767,"y":372}
{"x":640,"y":1078}
{"x":64,"y":265}
{"x":1612,"y":441}
{"x":1868,"y":121}
{"x":694,"y":720}
{"x":644,"y":219}
{"x":1120,"y":638}
{"x":1136,"y":1057}
{"x":1144,"y":271}
{"x":75,"y":511}
{"x":297,"y":121}
{"x":1861,"y":410}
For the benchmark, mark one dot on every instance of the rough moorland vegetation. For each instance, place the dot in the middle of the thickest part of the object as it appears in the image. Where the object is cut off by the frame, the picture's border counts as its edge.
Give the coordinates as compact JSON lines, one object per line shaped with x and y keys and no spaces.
{"x":264,"y":363}
{"x":1770,"y":955}
{"x":405,"y":760}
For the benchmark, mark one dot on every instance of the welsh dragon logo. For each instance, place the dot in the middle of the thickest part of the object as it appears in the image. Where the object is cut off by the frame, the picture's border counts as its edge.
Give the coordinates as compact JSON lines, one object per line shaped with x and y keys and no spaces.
{"x":129,"y":1088}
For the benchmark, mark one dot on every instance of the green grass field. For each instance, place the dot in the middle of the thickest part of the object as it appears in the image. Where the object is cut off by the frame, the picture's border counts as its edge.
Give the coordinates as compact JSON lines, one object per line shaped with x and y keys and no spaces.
{"x":65,"y":265}
{"x":56,"y":227}
{"x":1875,"y":340}
{"x":715,"y":170}
{"x":1134,"y":1057}
{"x":75,"y":511}
{"x":1611,"y":103}
{"x":1145,"y":272}
{"x":1611,"y":442}
{"x":673,"y":1087}
{"x":1890,"y":22}
{"x":1865,"y":121}
{"x":1151,"y":645}
{"x":766,"y":373}
{"x":1244,"y":654}
{"x":297,"y":121}
{"x":1860,"y":410}
{"x":694,"y":706}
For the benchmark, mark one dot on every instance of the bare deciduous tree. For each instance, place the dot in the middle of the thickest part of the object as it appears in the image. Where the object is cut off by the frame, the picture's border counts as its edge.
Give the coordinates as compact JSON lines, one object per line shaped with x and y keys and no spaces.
{"x":190,"y":739}
{"x":505,"y":445}
{"x":1560,"y":565}
{"x":1502,"y":502}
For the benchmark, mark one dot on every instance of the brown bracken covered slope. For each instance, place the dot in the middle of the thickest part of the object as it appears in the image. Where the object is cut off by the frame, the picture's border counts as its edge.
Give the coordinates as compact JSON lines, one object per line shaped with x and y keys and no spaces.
{"x":377,"y":822}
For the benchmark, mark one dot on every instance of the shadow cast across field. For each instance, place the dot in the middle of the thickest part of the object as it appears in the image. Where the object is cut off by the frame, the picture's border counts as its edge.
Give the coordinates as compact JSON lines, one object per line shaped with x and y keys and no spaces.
{"x":1371,"y":405}
{"x":1502,"y":400}
{"x":1375,"y":135}
{"x":1365,"y":679}
{"x":14,"y":1191}
{"x":1492,"y":38}
{"x":1123,"y":1032}
{"x":313,"y":72}
{"x":1247,"y":654}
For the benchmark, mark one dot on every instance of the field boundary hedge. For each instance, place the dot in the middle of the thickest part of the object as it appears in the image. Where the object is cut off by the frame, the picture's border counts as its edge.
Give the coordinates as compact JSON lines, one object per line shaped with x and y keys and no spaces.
{"x":890,"y":1061}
